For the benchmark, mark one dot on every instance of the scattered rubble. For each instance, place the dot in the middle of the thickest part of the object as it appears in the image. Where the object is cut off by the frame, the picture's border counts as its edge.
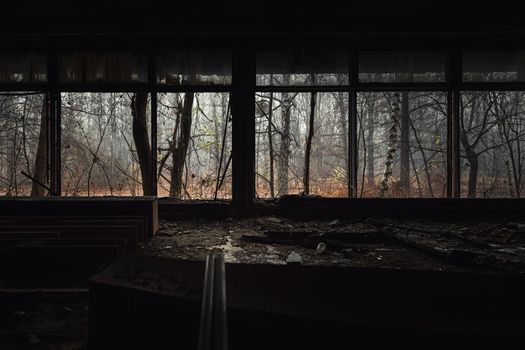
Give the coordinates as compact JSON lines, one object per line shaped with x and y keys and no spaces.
{"x":495,"y":246}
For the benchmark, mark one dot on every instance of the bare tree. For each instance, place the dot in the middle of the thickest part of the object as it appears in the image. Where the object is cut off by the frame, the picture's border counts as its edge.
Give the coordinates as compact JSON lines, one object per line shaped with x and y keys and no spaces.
{"x":404,"y":178}
{"x":139,"y":103}
{"x":284,"y":152}
{"x":308,"y":151}
{"x":270,"y":142}
{"x":40,"y":168}
{"x":392,"y":145}
{"x":180,"y":143}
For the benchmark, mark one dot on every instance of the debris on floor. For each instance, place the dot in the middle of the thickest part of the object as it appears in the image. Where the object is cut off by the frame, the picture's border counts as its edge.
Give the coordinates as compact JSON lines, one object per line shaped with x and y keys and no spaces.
{"x":492,"y":246}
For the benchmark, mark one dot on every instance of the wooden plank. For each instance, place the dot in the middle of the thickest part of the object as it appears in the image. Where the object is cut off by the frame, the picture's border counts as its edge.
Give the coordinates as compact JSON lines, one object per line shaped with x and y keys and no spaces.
{"x":140,"y":222}
{"x":29,"y":234}
{"x":9,"y":243}
{"x":128,"y":232}
{"x":17,"y":207}
{"x":131,"y":233}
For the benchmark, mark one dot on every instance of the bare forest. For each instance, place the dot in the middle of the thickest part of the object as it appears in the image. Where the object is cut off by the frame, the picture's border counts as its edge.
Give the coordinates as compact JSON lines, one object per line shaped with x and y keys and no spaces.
{"x":302,"y":142}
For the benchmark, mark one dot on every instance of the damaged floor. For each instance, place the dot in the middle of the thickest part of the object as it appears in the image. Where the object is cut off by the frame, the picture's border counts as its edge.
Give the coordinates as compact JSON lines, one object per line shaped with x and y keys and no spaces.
{"x":43,"y":322}
{"x":398,"y":244}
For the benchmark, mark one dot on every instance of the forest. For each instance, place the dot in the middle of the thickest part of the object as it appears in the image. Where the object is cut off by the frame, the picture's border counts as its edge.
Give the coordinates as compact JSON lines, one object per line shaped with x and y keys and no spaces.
{"x":302,"y":137}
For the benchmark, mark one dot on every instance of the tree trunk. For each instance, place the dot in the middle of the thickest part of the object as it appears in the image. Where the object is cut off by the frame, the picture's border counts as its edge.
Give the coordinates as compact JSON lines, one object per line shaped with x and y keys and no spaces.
{"x":180,"y":143}
{"x":506,"y":148}
{"x":270,"y":141}
{"x":392,"y":143}
{"x":308,"y":151}
{"x":370,"y":161}
{"x":284,"y":160}
{"x":472,"y":159}
{"x":404,"y":178}
{"x":139,"y":104}
{"x":343,"y":121}
{"x":40,"y":169}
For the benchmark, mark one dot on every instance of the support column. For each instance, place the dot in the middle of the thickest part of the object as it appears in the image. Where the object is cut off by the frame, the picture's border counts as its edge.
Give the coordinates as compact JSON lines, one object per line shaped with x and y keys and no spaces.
{"x":243,"y":127}
{"x":54,"y":127}
{"x":453,"y":119}
{"x":152,"y":79}
{"x":353,"y":156}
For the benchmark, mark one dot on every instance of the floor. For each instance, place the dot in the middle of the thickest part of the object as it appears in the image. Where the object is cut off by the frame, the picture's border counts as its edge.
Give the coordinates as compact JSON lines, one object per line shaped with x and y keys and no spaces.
{"x":53,"y":321}
{"x":493,"y":246}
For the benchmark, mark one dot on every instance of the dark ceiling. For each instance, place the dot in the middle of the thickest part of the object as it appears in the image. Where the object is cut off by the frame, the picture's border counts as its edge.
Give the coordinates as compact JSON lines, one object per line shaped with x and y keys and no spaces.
{"x":256,"y":16}
{"x":424,"y":22}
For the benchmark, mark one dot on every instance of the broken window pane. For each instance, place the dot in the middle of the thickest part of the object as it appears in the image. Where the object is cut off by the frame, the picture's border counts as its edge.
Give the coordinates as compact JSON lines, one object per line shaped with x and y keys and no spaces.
{"x":99,"y":152}
{"x":194,"y":68}
{"x":23,"y":68}
{"x":23,"y":147}
{"x":401,"y":67}
{"x":282,"y":128}
{"x":492,"y":134}
{"x":194,"y":151}
{"x":479,"y":66}
{"x":108,"y":67}
{"x":402,"y":144}
{"x":282,"y":68}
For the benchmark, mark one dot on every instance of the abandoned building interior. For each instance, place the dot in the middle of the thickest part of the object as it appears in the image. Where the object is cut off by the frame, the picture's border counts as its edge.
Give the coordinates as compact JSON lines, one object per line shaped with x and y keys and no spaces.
{"x":261,"y":175}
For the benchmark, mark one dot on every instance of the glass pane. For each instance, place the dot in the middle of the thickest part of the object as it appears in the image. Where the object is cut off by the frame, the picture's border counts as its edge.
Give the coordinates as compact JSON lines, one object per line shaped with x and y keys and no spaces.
{"x":402,"y":144}
{"x":310,"y":68}
{"x":194,"y":145}
{"x":103,"y":67}
{"x":99,"y":152}
{"x":482,"y":66}
{"x":282,"y":142}
{"x":194,"y":68}
{"x":492,"y":134}
{"x":23,"y":136}
{"x":26,"y":68}
{"x":401,"y":67}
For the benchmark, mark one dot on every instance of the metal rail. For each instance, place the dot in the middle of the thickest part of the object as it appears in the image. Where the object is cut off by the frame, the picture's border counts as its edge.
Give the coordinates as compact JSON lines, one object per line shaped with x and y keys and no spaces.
{"x":213,"y":333}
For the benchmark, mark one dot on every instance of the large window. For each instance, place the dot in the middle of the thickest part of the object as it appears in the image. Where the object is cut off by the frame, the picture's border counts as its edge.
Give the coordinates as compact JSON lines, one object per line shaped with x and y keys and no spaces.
{"x":194,"y":145}
{"x":301,"y":144}
{"x":302,"y":133}
{"x":492,"y":135}
{"x":23,"y":143}
{"x":331,"y":122}
{"x":402,"y":144}
{"x":99,"y":152}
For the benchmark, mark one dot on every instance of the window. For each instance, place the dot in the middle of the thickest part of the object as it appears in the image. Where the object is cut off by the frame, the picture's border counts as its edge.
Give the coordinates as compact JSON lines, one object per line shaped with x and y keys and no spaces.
{"x":99,"y":153}
{"x":305,"y":126}
{"x":23,"y":143}
{"x":492,"y":135}
{"x":402,"y":144}
{"x":285,"y":152}
{"x":194,"y":145}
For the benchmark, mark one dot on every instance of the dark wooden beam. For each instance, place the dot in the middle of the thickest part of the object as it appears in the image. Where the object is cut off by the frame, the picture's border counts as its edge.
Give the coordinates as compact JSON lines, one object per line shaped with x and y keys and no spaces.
{"x":243,"y":127}
{"x":353,"y":150}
